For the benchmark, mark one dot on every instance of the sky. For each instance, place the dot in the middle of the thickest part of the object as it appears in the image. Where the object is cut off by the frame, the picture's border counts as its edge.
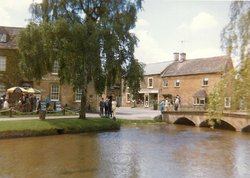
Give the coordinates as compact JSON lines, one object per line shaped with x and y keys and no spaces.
{"x":163,"y":26}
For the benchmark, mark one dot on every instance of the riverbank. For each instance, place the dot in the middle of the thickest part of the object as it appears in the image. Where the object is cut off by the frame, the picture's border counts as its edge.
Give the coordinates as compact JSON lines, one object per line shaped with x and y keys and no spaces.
{"x":28,"y":128}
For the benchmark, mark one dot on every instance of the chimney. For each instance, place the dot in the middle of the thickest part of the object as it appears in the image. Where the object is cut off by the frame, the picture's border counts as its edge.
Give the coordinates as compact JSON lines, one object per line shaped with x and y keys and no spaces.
{"x":182,"y":57}
{"x":176,"y":57}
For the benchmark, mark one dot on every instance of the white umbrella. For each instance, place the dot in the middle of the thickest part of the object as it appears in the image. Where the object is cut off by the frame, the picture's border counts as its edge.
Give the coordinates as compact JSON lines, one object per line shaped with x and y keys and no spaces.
{"x":17,"y":90}
{"x":33,"y":90}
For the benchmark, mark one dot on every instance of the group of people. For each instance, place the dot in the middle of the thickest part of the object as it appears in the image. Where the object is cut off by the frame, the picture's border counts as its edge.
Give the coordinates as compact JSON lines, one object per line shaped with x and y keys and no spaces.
{"x":167,"y":104}
{"x":25,"y":103}
{"x":108,"y":107}
{"x":4,"y":103}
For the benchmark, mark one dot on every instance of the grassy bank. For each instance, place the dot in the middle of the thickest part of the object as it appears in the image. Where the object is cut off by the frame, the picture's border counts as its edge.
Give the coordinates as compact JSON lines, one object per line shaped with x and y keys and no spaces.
{"x":56,"y":126}
{"x":132,"y":122}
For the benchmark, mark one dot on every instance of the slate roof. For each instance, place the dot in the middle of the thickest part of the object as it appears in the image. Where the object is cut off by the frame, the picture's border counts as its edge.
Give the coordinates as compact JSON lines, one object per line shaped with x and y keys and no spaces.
{"x":12,"y":33}
{"x":156,"y":68}
{"x":198,"y":66}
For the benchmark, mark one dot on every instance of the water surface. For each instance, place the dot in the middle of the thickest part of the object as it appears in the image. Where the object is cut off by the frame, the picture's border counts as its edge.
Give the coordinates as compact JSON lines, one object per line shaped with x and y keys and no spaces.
{"x":154,"y":151}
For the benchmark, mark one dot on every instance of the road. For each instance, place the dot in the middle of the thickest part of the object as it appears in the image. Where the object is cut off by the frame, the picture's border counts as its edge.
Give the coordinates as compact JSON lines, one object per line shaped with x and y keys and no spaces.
{"x":121,"y":113}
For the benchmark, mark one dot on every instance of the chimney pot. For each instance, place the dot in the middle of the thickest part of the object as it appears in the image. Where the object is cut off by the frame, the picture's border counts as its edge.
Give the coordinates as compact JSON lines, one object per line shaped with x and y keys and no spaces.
{"x":182,"y":57}
{"x":176,"y":56}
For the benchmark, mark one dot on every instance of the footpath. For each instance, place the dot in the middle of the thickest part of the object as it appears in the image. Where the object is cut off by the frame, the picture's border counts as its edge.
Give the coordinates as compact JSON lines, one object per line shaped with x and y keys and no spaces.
{"x":121,"y":113}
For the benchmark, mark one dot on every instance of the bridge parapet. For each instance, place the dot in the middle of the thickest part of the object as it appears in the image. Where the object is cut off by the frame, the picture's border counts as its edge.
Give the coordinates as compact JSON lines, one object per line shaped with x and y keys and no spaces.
{"x":238,"y":120}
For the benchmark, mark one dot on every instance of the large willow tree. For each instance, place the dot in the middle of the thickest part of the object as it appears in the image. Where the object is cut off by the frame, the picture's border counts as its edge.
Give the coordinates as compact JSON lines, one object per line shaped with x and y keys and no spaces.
{"x":91,"y":40}
{"x":236,"y":42}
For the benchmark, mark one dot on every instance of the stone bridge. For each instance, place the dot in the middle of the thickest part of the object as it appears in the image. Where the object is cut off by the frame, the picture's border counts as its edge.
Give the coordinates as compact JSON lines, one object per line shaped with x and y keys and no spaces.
{"x":237,"y":121}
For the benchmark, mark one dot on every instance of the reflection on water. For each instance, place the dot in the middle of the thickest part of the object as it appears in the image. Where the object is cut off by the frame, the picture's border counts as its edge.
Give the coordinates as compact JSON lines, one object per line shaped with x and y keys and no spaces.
{"x":144,"y":151}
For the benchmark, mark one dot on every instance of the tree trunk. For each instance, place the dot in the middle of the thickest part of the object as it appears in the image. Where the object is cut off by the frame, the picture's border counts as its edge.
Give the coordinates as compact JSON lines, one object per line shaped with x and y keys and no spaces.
{"x":82,"y":114}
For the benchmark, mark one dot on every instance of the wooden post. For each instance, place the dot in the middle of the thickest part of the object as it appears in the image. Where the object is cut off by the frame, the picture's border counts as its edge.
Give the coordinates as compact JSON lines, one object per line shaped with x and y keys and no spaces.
{"x":10,"y":112}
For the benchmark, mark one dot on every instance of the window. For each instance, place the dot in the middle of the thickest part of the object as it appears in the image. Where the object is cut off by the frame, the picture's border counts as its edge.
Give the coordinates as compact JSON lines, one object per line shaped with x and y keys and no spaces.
{"x":165,"y":83}
{"x":177,"y":83}
{"x":55,"y":68}
{"x":199,"y":101}
{"x":205,"y":82}
{"x":2,"y":63}
{"x":227,"y":102}
{"x":78,"y":95}
{"x":150,"y":82}
{"x":54,"y":92}
{"x":3,"y":38}
{"x":2,"y":89}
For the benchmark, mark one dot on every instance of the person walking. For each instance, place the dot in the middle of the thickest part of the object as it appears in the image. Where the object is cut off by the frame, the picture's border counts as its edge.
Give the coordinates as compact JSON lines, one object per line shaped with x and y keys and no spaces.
{"x":177,"y":103}
{"x":110,"y":107}
{"x":167,"y":104}
{"x":114,"y":104}
{"x":162,"y":105}
{"x":106,"y":107}
{"x":102,"y":106}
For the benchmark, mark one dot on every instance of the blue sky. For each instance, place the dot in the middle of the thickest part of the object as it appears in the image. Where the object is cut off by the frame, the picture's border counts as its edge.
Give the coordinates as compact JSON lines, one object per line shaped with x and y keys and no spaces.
{"x":163,"y":27}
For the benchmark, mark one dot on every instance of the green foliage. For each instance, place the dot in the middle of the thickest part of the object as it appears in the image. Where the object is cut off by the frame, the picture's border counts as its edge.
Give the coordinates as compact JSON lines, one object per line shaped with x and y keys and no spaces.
{"x":235,"y":40}
{"x":235,"y":35}
{"x":13,"y":75}
{"x":135,"y":71}
{"x":90,"y":39}
{"x":226,"y":87}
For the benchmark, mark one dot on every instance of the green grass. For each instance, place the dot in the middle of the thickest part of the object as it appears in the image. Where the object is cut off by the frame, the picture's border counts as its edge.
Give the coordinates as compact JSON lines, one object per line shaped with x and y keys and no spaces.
{"x":129,"y":122}
{"x":54,"y":126}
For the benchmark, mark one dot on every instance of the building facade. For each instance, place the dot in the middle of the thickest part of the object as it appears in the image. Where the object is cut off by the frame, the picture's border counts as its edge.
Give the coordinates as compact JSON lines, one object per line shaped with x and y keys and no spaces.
{"x":194,"y":79}
{"x":191,"y":79}
{"x":49,"y":85}
{"x":151,"y":86}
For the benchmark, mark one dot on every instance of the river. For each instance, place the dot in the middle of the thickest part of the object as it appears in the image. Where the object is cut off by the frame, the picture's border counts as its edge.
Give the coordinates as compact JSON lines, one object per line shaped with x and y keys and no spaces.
{"x":152,"y":151}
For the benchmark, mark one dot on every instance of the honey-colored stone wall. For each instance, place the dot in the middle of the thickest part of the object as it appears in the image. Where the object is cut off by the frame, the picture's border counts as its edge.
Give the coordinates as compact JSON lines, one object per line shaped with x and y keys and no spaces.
{"x":66,"y":93}
{"x":189,"y":85}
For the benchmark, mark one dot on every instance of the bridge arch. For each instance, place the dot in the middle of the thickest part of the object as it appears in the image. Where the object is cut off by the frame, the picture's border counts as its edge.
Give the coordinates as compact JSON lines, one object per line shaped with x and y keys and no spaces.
{"x":231,"y":121}
{"x":184,"y":121}
{"x":246,"y":129}
{"x":222,"y":125}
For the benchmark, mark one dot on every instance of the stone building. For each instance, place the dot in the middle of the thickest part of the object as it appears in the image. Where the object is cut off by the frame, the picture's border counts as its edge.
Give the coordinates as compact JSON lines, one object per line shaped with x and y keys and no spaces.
{"x":151,"y":87}
{"x":193,"y":79}
{"x":49,"y":85}
{"x":9,"y":59}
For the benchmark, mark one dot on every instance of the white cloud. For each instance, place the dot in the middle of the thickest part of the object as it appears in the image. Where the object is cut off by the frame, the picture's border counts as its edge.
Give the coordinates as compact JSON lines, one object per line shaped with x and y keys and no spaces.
{"x":148,"y":49}
{"x":203,"y":21}
{"x":142,"y":23}
{"x":204,"y":52}
{"x":14,"y":12}
{"x":183,"y":26}
{"x":5,"y":18}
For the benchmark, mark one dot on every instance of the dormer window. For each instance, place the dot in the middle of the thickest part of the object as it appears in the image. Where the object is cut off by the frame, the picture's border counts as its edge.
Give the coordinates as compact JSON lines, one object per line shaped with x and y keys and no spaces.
{"x":3,"y":38}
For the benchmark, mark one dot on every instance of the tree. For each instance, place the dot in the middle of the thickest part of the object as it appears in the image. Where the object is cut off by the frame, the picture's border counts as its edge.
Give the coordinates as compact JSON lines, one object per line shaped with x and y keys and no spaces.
{"x":235,"y":39}
{"x":90,"y":37}
{"x":13,"y":76}
{"x":135,"y":71}
{"x":235,"y":36}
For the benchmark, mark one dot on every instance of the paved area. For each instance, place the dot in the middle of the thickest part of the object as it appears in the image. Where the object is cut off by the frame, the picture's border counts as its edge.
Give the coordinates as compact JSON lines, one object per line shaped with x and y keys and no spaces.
{"x":121,"y":113}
